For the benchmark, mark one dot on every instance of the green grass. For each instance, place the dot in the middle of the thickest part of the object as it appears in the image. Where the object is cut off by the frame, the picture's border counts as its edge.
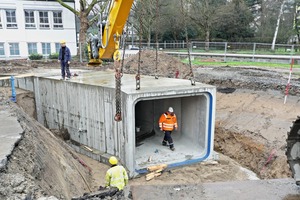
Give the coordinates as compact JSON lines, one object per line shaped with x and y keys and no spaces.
{"x":238,"y":63}
{"x":200,"y":62}
{"x":265,"y":51}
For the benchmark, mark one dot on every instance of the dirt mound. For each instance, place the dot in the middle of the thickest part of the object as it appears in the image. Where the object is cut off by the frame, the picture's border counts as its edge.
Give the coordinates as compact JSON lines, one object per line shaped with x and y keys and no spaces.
{"x":167,"y":66}
{"x":247,"y":77}
{"x":41,"y":165}
{"x":21,"y":66}
{"x":258,"y":157}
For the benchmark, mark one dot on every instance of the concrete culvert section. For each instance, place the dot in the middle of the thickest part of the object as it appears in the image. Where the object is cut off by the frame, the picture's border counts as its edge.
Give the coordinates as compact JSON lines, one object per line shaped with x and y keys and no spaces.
{"x":192,"y":141}
{"x":87,"y":105}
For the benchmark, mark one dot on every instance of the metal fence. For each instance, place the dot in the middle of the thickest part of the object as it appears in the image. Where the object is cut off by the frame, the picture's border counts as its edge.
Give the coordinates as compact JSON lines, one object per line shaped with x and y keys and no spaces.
{"x":225,"y":50}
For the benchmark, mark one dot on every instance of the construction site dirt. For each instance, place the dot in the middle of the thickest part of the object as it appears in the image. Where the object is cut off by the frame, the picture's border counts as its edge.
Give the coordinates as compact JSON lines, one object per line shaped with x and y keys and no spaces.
{"x":252,"y":122}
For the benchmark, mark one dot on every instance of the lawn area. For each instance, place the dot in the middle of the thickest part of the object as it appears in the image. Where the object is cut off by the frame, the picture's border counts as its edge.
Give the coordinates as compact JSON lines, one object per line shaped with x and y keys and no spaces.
{"x":238,"y":63}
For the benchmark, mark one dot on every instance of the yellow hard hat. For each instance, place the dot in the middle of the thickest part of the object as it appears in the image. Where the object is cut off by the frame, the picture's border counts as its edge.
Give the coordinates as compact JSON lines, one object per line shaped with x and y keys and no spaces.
{"x":113,"y":160}
{"x":63,"y":41}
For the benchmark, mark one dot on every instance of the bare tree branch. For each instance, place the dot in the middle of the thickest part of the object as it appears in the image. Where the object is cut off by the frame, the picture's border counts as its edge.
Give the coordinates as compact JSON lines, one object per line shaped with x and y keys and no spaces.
{"x":68,"y":7}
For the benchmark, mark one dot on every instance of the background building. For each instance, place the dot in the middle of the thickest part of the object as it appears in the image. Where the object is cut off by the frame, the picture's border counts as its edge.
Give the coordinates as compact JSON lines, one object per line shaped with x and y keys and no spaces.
{"x":28,"y":26}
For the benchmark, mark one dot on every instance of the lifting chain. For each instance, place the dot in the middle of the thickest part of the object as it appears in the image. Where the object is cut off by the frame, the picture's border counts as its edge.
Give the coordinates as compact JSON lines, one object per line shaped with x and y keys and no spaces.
{"x":156,"y":39}
{"x":118,"y":76}
{"x":191,"y":74}
{"x":138,"y":75}
{"x":124,"y":39}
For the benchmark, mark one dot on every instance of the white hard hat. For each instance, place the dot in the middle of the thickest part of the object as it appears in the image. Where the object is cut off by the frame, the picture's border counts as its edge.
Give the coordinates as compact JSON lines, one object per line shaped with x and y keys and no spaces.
{"x":170,"y":109}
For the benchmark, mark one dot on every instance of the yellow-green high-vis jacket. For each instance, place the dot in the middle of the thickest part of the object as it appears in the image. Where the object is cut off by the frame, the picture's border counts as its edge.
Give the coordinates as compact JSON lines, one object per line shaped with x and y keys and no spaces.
{"x":116,"y":177}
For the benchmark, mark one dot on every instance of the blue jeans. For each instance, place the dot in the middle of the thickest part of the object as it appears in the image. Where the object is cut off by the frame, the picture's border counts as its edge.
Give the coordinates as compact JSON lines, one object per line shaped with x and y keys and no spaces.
{"x":65,"y":69}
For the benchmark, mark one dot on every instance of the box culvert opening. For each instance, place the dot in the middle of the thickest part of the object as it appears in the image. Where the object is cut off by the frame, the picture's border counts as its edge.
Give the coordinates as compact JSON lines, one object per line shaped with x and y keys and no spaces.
{"x":190,"y":140}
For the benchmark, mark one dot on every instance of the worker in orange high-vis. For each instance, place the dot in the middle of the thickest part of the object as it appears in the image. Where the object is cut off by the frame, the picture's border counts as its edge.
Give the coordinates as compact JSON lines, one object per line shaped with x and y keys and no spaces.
{"x":167,"y":123}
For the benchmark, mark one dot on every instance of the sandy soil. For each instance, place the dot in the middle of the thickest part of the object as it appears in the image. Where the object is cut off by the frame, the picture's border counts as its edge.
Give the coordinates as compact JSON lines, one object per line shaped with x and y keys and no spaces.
{"x":251,"y":126}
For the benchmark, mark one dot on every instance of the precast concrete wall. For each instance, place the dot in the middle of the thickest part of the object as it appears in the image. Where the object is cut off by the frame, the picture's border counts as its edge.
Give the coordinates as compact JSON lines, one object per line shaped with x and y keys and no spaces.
{"x":22,"y":82}
{"x":84,"y":110}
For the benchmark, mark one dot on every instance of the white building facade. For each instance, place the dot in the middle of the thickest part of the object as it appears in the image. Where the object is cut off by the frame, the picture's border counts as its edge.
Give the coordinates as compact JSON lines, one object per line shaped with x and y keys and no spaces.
{"x":31,"y":27}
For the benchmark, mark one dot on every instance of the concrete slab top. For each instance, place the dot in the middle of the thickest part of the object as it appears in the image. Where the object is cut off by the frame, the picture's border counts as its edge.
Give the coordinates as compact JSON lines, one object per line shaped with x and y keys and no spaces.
{"x":147,"y":83}
{"x":10,"y":133}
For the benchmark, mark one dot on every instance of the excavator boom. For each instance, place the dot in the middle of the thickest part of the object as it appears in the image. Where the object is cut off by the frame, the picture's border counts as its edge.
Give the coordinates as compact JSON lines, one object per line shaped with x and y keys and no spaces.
{"x":107,"y":46}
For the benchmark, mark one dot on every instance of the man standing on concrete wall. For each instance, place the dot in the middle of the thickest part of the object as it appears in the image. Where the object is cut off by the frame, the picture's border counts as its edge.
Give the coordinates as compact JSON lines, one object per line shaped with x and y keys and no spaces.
{"x":167,"y":123}
{"x":64,"y":57}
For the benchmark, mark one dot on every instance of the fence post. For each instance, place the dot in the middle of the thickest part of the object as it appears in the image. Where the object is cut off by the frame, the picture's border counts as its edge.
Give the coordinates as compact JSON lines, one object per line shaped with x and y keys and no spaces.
{"x":13,"y":89}
{"x":80,"y":54}
{"x":253,"y":53}
{"x":292,"y":53}
{"x":225,"y":52}
{"x":165,"y":45}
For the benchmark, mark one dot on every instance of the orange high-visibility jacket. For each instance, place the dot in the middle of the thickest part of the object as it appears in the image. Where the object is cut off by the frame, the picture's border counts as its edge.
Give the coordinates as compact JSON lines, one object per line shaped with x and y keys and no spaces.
{"x":167,"y":122}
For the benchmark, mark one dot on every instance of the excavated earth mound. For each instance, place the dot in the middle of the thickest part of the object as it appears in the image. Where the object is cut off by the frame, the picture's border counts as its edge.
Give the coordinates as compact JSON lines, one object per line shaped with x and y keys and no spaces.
{"x":167,"y":66}
{"x":40,"y":164}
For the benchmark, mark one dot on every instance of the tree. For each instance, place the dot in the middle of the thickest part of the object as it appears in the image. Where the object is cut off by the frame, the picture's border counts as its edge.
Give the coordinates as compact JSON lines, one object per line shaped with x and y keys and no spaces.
{"x":234,"y":22}
{"x":168,"y":24}
{"x":145,"y":13}
{"x":277,"y":24}
{"x":172,"y":21}
{"x":83,"y":13}
{"x":204,"y":15}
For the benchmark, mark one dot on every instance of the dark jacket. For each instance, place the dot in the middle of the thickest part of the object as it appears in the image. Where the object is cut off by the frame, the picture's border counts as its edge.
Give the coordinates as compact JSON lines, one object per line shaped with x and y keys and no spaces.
{"x":67,"y":54}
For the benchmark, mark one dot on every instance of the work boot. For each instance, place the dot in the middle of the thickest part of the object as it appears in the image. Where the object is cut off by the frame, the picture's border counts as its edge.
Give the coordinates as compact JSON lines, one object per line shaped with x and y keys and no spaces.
{"x":172,"y":147}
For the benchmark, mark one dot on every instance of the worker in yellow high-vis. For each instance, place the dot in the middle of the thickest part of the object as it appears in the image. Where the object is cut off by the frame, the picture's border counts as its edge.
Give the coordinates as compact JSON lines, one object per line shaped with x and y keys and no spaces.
{"x":116,"y":176}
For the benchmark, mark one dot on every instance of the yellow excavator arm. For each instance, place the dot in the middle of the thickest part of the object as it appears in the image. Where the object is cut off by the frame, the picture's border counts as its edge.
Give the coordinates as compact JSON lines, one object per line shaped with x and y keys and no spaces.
{"x":106,"y":45}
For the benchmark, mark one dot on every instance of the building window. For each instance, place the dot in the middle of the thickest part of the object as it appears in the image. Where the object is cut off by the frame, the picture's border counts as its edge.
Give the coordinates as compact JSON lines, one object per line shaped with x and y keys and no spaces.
{"x":14,"y":49}
{"x":2,"y":53}
{"x":44,"y":19}
{"x":57,"y":19}
{"x":57,"y":47}
{"x":32,"y":48}
{"x":29,"y":19}
{"x":11,"y":21}
{"x":46,"y":49}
